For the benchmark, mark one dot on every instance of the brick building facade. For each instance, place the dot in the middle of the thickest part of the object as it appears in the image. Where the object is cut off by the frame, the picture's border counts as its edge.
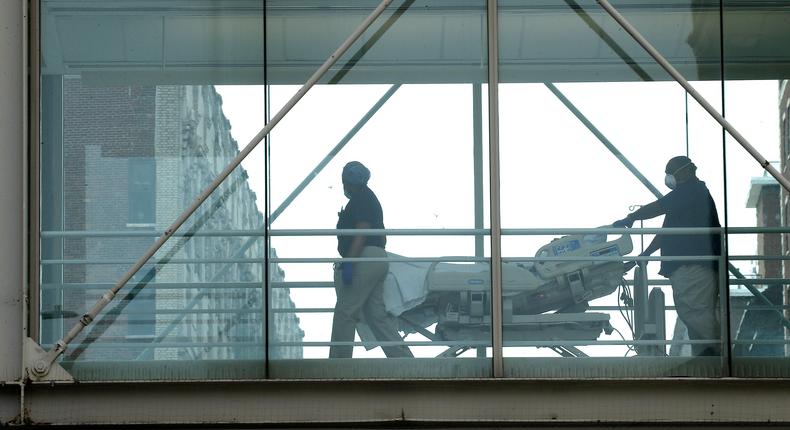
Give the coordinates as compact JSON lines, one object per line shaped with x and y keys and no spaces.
{"x":133,"y":158}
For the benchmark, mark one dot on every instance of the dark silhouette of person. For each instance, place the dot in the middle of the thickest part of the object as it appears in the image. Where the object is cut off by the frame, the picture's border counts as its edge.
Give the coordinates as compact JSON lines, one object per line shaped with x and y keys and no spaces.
{"x":694,"y":282}
{"x":360,"y":285}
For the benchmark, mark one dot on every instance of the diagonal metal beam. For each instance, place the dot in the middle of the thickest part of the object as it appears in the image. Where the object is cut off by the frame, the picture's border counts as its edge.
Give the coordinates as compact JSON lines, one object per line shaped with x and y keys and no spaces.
{"x":195,"y":300}
{"x":666,"y":65}
{"x":709,"y":108}
{"x":348,"y":66}
{"x":610,"y":42}
{"x":594,"y":130}
{"x":352,"y":62}
{"x":608,"y":144}
{"x":350,"y":135}
{"x":110,"y":316}
{"x":331,"y":155}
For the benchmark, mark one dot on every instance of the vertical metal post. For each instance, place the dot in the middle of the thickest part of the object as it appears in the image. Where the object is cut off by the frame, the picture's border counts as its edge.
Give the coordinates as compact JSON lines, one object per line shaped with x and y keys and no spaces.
{"x":265,"y":287}
{"x":686,"y":104}
{"x":640,"y":302}
{"x":31,"y":197}
{"x":723,"y":311}
{"x":477,"y":155}
{"x":493,"y":151}
{"x":51,"y":191}
{"x":724,"y":287}
{"x":31,"y":71}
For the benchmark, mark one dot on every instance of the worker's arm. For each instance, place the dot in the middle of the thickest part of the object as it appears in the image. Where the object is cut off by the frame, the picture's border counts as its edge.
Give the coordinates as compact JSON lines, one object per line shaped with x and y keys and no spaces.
{"x":653,"y":247}
{"x":355,"y":250}
{"x":358,"y":242}
{"x":650,"y":210}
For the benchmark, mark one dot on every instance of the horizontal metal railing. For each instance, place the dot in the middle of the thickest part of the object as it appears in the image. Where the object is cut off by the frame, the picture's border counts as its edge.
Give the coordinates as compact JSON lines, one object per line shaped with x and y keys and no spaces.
{"x":328,"y":284}
{"x":158,"y":313}
{"x":430,"y":343}
{"x":48,"y":234}
{"x":293,"y":260}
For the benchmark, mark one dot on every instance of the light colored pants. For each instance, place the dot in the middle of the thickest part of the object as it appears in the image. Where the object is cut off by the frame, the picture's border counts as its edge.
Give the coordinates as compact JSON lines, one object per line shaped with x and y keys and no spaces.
{"x":696,"y":293}
{"x":365,"y":296}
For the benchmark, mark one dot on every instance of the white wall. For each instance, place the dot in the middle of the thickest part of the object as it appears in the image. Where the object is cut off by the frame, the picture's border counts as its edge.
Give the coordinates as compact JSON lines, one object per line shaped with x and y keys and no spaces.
{"x":11,"y":171}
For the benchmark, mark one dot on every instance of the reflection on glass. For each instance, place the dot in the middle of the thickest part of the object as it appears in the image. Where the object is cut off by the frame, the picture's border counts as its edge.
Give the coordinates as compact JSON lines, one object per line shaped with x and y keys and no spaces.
{"x":585,"y":152}
{"x":132,"y":158}
{"x":433,"y":313}
{"x":408,"y":105}
{"x":135,"y":124}
{"x":757,"y":294}
{"x":757,"y":100}
{"x":133,"y":129}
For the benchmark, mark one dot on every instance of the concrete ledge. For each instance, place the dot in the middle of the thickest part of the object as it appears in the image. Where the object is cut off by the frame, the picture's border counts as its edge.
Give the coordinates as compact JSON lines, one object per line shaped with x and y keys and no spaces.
{"x":482,"y":402}
{"x":9,"y":404}
{"x":427,"y":368}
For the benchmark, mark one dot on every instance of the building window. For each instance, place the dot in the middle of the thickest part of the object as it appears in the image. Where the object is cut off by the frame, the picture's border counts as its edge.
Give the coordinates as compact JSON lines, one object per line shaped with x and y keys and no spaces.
{"x":142,"y":192}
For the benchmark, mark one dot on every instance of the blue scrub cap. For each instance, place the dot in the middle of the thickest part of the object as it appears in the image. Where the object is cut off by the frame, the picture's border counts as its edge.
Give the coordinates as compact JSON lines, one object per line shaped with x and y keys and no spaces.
{"x":355,"y":173}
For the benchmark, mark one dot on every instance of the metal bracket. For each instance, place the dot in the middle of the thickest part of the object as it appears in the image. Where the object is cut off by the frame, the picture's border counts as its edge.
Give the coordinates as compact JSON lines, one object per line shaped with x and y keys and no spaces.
{"x":38,"y":368}
{"x":576,"y":284}
{"x":568,"y":351}
{"x":476,"y":304}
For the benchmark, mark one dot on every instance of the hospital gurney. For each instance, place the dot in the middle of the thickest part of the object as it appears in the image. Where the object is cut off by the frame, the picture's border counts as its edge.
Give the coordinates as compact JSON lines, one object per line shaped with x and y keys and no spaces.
{"x":542,"y":300}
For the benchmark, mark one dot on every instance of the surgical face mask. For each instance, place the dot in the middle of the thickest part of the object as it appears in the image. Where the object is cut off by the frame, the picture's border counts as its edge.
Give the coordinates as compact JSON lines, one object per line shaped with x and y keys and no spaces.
{"x":670,"y":181}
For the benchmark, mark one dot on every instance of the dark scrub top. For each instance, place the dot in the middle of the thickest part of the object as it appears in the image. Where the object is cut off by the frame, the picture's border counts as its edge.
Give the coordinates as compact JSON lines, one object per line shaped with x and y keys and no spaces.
{"x":689,"y":205}
{"x":363,"y":206}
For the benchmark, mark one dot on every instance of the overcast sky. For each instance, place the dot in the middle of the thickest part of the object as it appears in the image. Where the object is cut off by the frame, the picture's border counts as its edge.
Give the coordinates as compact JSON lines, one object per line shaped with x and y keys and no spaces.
{"x":555,"y":173}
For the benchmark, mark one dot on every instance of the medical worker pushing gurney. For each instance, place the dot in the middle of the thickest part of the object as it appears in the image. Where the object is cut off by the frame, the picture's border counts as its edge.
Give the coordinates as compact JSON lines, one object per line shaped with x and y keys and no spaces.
{"x":565,"y":275}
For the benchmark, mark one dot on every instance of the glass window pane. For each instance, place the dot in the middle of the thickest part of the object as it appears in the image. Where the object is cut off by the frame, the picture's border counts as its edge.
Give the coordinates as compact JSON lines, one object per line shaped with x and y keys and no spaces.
{"x":408,"y":103}
{"x":134,"y":127}
{"x":756,"y":102}
{"x":588,"y":126}
{"x":142,"y":107}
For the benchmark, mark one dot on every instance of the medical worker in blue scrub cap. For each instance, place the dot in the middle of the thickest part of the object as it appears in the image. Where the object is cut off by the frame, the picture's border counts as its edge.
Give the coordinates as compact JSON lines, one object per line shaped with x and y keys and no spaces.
{"x":360,"y":285}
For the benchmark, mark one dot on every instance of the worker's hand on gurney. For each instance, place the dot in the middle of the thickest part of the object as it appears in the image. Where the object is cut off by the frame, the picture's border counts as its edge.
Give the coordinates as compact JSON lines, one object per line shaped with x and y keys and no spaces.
{"x":626,"y":222}
{"x":628,"y":265}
